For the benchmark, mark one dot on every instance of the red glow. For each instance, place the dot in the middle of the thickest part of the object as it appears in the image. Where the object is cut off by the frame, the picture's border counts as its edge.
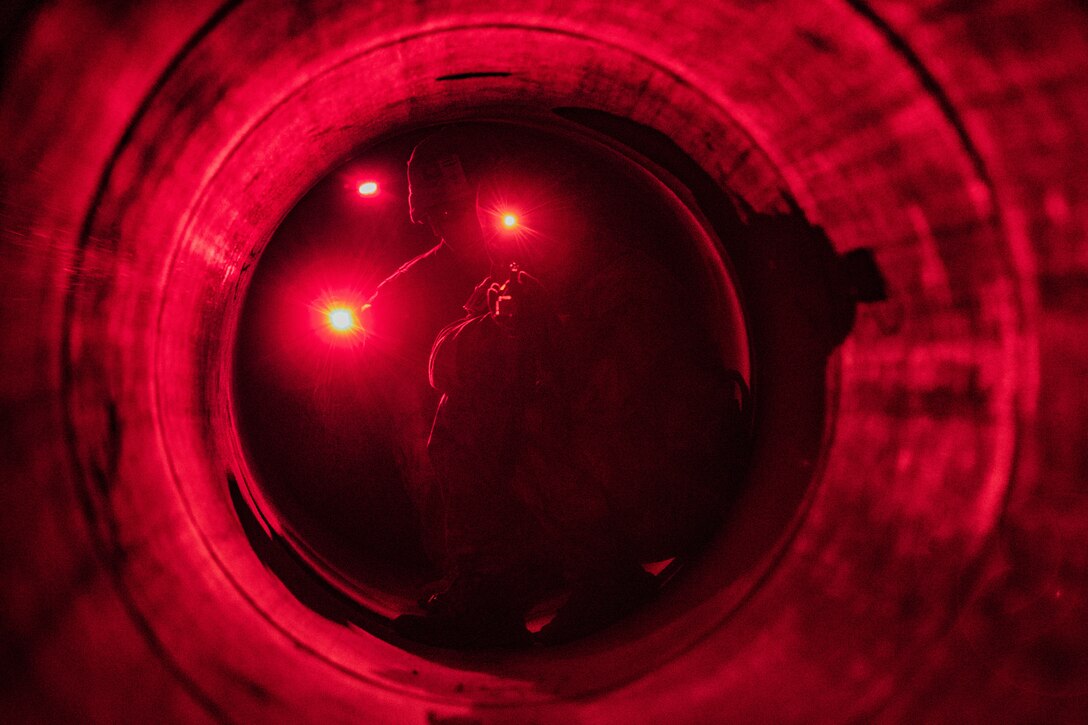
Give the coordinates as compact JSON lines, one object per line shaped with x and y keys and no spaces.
{"x":342,"y":319}
{"x":945,"y":453}
{"x":367,"y":188}
{"x":510,"y":221}
{"x":337,"y":318}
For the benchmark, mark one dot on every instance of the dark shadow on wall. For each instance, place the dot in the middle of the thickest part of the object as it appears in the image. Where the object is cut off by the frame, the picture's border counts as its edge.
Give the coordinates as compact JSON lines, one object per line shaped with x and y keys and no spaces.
{"x":800,"y":300}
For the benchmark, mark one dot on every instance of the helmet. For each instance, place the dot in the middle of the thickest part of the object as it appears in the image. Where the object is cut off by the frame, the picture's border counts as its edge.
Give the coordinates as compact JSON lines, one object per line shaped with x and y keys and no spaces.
{"x":441,"y":171}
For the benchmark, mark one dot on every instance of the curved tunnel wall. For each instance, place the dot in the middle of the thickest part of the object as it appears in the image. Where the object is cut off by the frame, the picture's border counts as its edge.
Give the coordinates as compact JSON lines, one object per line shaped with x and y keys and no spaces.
{"x":938,"y":565}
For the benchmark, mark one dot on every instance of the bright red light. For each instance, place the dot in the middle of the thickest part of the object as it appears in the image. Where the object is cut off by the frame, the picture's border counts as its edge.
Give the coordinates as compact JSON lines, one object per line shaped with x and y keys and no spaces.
{"x":368,"y":188}
{"x":509,"y":221}
{"x":341,"y":319}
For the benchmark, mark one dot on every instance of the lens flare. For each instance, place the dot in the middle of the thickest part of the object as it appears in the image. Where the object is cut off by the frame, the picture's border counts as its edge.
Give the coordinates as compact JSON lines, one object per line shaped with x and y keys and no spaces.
{"x":509,"y":221}
{"x":342,"y":320}
{"x":368,"y":188}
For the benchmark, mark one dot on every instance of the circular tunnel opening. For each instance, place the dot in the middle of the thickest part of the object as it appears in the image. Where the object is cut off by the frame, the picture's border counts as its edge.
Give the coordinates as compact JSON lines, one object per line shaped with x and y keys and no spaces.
{"x":868,"y":464}
{"x":647,"y":316}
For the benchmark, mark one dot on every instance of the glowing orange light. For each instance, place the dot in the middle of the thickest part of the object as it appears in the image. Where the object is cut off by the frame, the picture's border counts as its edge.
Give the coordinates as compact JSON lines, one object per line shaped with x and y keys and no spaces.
{"x":368,"y":188}
{"x":341,"y":319}
{"x":509,"y":221}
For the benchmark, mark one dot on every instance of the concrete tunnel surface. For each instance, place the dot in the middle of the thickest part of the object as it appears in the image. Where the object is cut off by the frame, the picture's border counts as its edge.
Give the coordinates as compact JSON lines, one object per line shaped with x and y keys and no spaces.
{"x":928,"y":557}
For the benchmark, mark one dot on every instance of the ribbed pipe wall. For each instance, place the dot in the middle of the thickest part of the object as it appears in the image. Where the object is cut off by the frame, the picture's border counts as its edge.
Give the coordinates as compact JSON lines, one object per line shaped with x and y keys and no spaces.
{"x":937,"y":569}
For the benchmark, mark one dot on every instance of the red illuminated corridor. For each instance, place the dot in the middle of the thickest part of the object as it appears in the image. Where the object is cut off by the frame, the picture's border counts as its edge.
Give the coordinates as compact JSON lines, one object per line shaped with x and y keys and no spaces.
{"x":871,"y":214}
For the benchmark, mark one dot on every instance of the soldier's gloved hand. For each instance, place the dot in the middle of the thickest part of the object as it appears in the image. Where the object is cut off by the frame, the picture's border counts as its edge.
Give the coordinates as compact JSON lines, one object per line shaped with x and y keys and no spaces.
{"x":517,"y":303}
